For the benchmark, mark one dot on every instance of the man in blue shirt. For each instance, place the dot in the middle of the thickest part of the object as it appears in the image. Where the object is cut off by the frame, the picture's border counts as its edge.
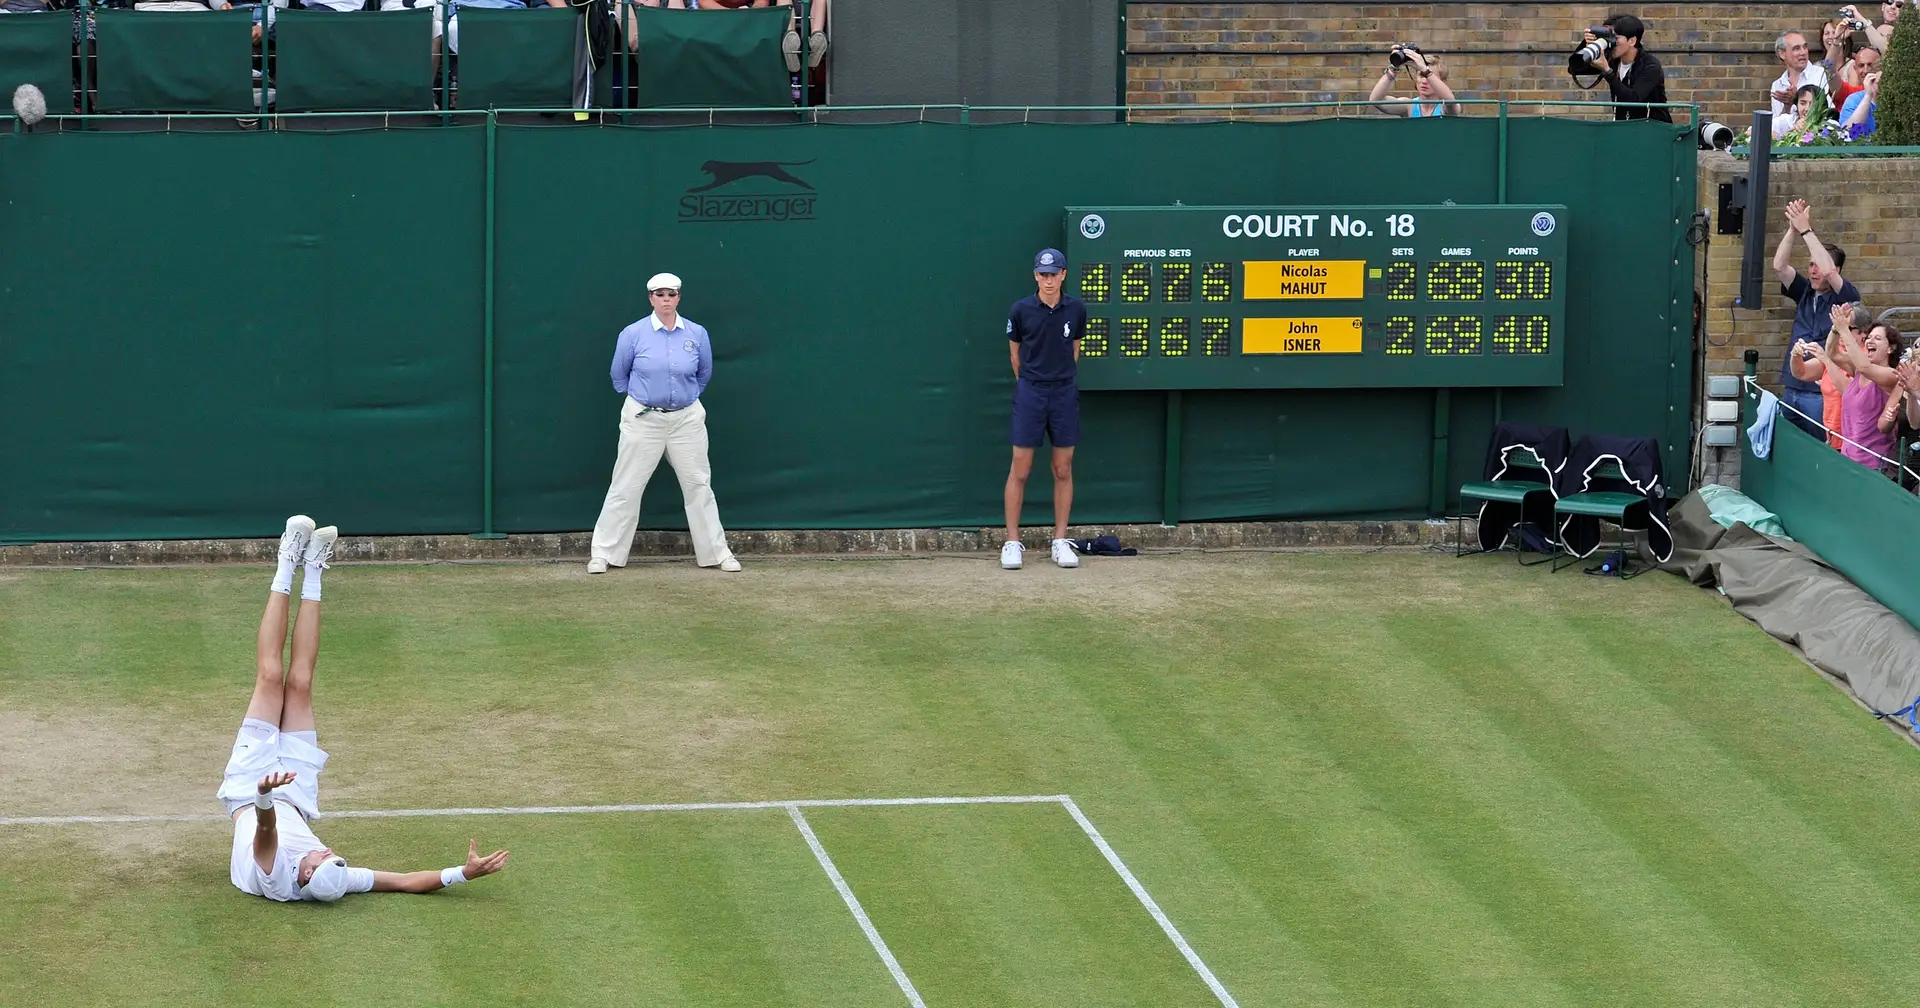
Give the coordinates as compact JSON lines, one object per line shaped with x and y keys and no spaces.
{"x":1814,"y":295}
{"x":1043,"y":341}
{"x":661,"y":364}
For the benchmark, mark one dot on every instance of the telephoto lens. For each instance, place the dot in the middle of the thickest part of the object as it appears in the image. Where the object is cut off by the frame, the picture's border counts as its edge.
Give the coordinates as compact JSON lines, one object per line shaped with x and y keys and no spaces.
{"x":1600,"y":46}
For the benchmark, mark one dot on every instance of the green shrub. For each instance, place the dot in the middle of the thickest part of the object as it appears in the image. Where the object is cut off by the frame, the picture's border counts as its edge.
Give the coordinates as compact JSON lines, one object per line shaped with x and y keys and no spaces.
{"x":1898,"y":116}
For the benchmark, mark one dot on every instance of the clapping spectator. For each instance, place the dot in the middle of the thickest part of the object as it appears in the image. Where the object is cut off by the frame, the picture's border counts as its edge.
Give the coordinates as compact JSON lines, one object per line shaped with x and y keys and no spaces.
{"x":1814,"y":294}
{"x":1810,"y":109}
{"x":1791,"y":47}
{"x":1856,"y":117}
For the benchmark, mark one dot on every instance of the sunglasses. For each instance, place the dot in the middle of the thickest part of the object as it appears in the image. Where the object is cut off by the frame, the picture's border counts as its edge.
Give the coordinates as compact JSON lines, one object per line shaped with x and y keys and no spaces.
{"x":666,"y":292}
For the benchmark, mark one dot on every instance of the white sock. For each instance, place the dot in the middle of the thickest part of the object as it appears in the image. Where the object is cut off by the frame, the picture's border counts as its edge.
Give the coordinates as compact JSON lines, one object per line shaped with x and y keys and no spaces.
{"x":310,"y":586}
{"x":283,"y":577}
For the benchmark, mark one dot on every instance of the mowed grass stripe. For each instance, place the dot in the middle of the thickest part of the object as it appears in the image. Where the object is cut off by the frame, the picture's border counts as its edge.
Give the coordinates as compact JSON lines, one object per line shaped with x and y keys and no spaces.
{"x":1004,"y":906}
{"x":698,"y":909}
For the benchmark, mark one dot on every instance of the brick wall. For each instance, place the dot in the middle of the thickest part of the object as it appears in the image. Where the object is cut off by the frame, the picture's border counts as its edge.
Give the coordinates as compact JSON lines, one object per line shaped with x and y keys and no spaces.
{"x":1866,"y":206}
{"x":1718,"y":55}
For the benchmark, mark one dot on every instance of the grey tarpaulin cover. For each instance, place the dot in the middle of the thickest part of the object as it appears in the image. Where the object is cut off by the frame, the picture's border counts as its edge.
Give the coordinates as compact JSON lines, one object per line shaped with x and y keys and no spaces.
{"x":1794,"y":596}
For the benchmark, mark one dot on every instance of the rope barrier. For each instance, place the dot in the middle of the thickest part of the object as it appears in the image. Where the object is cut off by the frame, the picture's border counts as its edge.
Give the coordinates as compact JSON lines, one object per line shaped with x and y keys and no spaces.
{"x":1754,"y":385}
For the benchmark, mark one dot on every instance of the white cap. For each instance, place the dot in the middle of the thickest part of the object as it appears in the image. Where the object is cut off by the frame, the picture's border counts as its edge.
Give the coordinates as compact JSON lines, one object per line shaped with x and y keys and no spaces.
{"x":329,"y":881}
{"x":660,"y":280}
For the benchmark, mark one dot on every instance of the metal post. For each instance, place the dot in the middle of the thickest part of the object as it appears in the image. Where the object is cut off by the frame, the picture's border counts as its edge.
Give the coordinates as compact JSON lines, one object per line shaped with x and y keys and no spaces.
{"x":1753,"y":249}
{"x":1170,"y":474}
{"x":1120,"y":67}
{"x":805,"y":28}
{"x":1749,"y":398}
{"x":266,"y":65}
{"x":86,"y":51}
{"x":486,"y":328}
{"x":1437,"y":484}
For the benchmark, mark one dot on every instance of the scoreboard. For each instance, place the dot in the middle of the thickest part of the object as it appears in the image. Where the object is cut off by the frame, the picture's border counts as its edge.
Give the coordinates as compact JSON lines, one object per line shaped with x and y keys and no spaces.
{"x":1319,"y":297}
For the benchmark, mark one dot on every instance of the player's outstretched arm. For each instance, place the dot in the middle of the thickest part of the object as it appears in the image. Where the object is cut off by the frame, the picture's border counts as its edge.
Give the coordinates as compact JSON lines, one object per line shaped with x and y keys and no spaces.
{"x":430,"y":880}
{"x":266,"y":829}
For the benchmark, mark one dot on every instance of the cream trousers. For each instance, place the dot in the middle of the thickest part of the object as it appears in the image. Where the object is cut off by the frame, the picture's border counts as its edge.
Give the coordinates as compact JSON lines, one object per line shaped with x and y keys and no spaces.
{"x":682,"y":437}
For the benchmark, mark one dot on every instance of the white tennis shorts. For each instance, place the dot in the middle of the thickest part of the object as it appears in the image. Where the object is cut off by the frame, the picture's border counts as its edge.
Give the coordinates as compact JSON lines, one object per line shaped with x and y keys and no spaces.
{"x":261,"y":749}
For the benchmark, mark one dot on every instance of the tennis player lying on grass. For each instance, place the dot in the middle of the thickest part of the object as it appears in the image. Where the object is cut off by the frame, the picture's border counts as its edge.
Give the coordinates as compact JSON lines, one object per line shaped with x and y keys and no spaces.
{"x":272,"y":785}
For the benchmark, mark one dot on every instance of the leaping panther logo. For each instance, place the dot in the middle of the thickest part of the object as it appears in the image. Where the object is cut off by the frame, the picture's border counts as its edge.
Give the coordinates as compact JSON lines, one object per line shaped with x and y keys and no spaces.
{"x":727,"y":172}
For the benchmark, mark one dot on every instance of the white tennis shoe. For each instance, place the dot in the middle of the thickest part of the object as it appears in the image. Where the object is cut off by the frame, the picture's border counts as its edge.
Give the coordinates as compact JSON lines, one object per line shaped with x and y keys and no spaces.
{"x":319,"y":551}
{"x":293,"y":542}
{"x":1064,"y":555}
{"x":1010,"y":555}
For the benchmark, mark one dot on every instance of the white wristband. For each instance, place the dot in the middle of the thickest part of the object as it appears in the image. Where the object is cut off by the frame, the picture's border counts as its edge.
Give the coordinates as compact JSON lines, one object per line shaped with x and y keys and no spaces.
{"x":452,"y":876}
{"x":262,"y":801}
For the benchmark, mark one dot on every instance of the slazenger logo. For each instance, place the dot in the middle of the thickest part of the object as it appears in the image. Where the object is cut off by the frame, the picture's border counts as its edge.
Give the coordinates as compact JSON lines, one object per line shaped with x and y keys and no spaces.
{"x":794,"y":200}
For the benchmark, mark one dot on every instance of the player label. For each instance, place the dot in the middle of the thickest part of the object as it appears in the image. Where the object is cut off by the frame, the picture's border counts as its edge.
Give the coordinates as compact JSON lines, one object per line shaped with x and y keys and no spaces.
{"x":1283,"y":279}
{"x":1300,"y":335}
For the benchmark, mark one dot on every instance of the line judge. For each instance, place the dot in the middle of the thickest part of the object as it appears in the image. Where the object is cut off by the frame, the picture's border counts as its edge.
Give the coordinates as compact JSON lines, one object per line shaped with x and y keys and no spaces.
{"x":661,"y":364}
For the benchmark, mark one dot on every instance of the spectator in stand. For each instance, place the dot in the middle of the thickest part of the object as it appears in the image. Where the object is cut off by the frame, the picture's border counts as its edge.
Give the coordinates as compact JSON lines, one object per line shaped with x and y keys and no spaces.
{"x":1810,"y":109}
{"x":1856,"y":117}
{"x":1862,"y":59}
{"x":1791,"y":47}
{"x":23,"y":6}
{"x":1870,"y":381}
{"x":1434,"y":99}
{"x":1814,"y":294}
{"x":816,"y":40}
{"x":1879,"y":36}
{"x":1833,"y":46}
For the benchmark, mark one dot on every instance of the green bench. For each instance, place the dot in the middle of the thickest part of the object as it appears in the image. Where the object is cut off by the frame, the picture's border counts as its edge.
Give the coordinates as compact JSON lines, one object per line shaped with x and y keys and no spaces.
{"x":1627,"y":512}
{"x":1519,"y":492}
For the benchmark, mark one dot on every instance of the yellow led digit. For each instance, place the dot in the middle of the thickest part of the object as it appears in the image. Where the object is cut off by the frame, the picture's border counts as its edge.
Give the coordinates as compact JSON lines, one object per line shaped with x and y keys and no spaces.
{"x":1453,"y":335}
{"x":1173,"y":337}
{"x":1400,"y":281}
{"x":1456,"y":280}
{"x":1216,"y":282}
{"x":1093,"y":342}
{"x":1176,"y":282}
{"x":1400,"y":336}
{"x":1216,"y":336}
{"x":1096,"y":281}
{"x":1133,"y":336}
{"x":1136,"y":282}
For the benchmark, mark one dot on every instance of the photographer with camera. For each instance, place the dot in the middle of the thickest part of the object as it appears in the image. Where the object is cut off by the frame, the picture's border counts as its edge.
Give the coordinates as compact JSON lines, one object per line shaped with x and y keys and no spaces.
{"x":1429,"y":81}
{"x":1632,"y":75}
{"x":1877,"y":36}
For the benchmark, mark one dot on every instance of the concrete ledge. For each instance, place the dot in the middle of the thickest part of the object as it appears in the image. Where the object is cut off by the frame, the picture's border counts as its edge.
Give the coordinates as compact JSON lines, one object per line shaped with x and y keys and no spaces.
{"x":1198,"y":535}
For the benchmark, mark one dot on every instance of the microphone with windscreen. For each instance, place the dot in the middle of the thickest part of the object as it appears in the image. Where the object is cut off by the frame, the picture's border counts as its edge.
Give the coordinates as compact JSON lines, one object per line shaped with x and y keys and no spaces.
{"x":29,"y":104}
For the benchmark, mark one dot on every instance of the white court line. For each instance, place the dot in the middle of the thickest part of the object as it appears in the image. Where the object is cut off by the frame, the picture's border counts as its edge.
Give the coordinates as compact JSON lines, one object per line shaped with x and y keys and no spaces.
{"x":853,"y":903}
{"x":792,"y":807}
{"x":1159,"y":917}
{"x":73,"y":820}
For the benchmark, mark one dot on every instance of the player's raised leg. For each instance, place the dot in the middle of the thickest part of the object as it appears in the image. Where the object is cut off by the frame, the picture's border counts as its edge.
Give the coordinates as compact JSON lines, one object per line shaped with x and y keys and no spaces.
{"x":297,"y":715}
{"x":269,"y":673}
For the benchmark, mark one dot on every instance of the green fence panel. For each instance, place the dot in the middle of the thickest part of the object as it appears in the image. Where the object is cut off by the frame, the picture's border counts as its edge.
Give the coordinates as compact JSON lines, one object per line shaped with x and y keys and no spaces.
{"x":365,"y":61}
{"x":1856,"y":519}
{"x":1630,"y":192}
{"x":38,"y":50}
{"x":697,"y":59}
{"x":208,"y":358}
{"x":517,"y":58}
{"x":175,"y":61}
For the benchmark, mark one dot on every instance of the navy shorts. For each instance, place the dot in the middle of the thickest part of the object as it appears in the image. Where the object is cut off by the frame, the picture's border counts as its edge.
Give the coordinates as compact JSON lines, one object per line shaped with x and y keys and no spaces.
{"x":1049,"y":411}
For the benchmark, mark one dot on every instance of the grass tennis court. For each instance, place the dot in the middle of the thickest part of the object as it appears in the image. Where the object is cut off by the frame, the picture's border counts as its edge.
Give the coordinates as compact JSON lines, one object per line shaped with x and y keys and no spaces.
{"x":1347,"y":779}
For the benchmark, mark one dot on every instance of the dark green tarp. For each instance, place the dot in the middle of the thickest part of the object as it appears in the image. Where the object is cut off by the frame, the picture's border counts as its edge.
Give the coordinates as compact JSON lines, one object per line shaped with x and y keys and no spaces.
{"x":699,"y":59}
{"x":517,"y":58}
{"x":37,"y":49}
{"x":366,"y":60}
{"x":175,"y":61}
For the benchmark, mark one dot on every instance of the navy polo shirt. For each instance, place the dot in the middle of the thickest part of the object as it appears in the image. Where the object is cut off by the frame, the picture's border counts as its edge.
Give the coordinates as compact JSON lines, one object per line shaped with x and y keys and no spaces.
{"x":1046,"y":336}
{"x":1812,"y":320}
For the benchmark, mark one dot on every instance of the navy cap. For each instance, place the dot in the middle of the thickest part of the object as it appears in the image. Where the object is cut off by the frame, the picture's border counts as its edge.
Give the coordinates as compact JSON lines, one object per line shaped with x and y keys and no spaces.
{"x":1049,"y":261}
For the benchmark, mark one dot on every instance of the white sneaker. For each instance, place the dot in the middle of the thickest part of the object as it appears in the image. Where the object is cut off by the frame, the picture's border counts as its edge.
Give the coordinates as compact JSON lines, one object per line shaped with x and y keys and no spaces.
{"x":319,"y":551}
{"x":1010,"y":555}
{"x":596,"y":566}
{"x":816,"y":49}
{"x":731,"y":565}
{"x":1064,"y":555}
{"x":293,"y":542}
{"x":790,"y":48}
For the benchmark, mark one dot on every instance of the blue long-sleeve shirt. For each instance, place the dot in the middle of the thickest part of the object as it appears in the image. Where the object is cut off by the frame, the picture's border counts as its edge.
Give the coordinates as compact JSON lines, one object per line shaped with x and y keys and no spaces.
{"x":661,"y":367}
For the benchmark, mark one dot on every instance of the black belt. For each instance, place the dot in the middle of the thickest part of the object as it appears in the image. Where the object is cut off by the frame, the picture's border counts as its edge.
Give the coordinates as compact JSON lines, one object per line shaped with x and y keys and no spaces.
{"x":646,"y":409}
{"x":1048,"y":382}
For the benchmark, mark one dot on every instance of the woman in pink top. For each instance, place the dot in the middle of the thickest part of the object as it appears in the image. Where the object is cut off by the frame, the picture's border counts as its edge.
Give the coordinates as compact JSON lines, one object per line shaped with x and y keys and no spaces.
{"x":1871,"y":378}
